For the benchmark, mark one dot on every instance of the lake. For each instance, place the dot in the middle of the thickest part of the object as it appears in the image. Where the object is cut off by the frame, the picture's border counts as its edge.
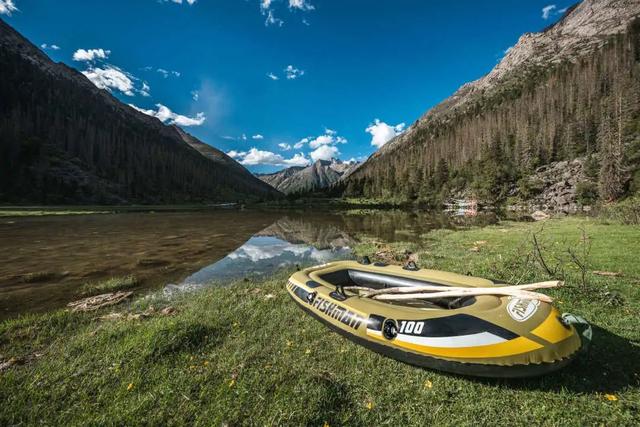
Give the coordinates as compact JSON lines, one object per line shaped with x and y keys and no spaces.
{"x":47,"y":260}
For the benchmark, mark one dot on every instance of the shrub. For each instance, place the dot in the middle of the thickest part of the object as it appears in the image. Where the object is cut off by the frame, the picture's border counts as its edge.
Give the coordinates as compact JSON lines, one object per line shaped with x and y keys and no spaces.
{"x":586,"y":192}
{"x":625,"y":212}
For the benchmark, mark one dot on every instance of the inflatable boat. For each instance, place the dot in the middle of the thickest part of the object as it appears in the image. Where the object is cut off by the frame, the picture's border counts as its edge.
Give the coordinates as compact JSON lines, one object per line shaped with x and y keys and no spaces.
{"x":440,"y":320}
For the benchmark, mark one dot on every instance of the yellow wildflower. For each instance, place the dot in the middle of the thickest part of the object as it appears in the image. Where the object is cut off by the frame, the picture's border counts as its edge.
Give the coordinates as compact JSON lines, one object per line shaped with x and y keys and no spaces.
{"x":611,"y":397}
{"x":326,"y":424}
{"x":428,"y":384}
{"x":231,"y":383}
{"x":369,"y":405}
{"x":130,"y":387}
{"x":307,"y":351}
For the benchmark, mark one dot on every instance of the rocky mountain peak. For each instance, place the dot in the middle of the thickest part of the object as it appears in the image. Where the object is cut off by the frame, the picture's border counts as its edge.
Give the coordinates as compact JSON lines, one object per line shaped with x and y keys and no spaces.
{"x":320,"y":174}
{"x":579,"y":31}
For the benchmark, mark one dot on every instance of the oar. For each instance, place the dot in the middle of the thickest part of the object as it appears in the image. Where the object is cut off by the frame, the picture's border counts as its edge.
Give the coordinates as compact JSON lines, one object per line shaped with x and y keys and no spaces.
{"x":436,"y":288}
{"x":468,"y":292}
{"x":436,"y":291}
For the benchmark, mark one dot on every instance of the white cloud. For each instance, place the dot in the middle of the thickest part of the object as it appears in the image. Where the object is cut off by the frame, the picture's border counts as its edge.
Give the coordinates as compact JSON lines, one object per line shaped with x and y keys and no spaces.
{"x":330,"y":137}
{"x":321,"y":140}
{"x":7,"y":7}
{"x":272,"y":76}
{"x":242,"y":137}
{"x":235,"y":154}
{"x":165,"y":115}
{"x":259,"y":157}
{"x":109,"y":78}
{"x":195,"y":95}
{"x":272,"y":20}
{"x":297,"y":160}
{"x":552,"y":10}
{"x":257,"y":136}
{"x":167,"y":73}
{"x":298,"y":145}
{"x":90,"y":54}
{"x":382,"y":133}
{"x":255,"y":157}
{"x":265,"y":4}
{"x":145,"y":89}
{"x":547,"y":10}
{"x":293,"y":73}
{"x":47,"y":46}
{"x":301,"y":5}
{"x":189,"y":2}
{"x":325,"y":152}
{"x":284,"y":146}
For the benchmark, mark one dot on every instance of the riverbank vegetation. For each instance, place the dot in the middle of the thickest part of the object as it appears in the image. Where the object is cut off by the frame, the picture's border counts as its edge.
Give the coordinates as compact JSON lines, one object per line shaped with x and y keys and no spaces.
{"x":245,"y":354}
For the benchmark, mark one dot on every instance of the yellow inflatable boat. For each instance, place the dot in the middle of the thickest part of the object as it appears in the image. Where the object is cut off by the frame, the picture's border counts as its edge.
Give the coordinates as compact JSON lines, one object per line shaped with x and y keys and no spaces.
{"x":441,"y":320}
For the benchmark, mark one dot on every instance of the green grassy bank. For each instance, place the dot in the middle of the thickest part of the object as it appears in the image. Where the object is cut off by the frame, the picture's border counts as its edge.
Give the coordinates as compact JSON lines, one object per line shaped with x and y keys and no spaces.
{"x":246,"y":355}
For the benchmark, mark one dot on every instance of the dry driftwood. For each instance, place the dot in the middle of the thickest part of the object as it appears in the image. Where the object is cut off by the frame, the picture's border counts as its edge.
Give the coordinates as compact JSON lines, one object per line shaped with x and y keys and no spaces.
{"x":99,"y":301}
{"x":608,"y":273}
{"x":151,"y":311}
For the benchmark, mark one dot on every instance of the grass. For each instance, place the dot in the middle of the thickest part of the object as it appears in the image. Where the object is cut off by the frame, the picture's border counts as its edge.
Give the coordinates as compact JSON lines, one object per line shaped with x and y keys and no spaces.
{"x":246,"y":355}
{"x":110,"y":285}
{"x":39,"y":212}
{"x":26,"y":211}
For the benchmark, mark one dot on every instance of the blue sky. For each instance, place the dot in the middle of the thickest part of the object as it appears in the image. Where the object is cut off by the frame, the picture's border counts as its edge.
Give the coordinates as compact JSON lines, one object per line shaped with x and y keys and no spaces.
{"x":281,"y":82}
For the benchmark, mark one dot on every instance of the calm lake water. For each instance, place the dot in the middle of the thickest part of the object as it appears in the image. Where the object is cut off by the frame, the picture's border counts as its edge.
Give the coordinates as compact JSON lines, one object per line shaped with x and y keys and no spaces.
{"x":46,"y":260}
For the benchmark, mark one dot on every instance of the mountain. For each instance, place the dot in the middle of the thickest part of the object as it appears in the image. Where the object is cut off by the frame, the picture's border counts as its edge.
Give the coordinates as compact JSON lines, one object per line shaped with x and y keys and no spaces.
{"x":569,"y":91}
{"x":277,"y":178}
{"x":317,"y":176}
{"x":63,"y":140}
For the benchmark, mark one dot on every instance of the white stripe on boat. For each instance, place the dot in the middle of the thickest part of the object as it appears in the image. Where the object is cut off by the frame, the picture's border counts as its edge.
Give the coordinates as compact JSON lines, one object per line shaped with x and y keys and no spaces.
{"x":473,"y":340}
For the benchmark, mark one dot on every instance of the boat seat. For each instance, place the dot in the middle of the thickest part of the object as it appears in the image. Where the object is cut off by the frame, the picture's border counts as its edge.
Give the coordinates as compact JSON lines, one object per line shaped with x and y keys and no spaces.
{"x":351,"y":277}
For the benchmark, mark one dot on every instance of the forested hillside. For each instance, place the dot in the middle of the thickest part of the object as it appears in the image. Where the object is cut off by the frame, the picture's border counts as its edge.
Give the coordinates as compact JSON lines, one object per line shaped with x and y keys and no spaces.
{"x":585,"y":105}
{"x":63,"y":140}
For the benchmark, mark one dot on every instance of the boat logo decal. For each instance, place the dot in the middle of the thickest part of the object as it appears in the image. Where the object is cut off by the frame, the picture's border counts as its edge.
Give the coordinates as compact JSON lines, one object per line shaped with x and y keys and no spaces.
{"x":338,"y":312}
{"x":329,"y":308}
{"x":522,"y":309}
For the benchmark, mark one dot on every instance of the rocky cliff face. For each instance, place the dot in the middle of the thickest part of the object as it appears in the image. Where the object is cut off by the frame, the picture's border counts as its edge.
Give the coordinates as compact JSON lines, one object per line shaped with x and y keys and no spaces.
{"x":559,"y":187}
{"x":63,"y":140}
{"x":320,"y":175}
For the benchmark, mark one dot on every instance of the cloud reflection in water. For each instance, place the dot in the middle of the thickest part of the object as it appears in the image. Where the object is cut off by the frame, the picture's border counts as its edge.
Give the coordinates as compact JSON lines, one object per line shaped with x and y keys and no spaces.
{"x":261,"y":255}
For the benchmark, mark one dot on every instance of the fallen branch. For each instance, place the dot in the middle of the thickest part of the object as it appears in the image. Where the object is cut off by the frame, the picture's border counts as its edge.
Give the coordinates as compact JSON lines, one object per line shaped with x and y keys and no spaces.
{"x":608,"y":273}
{"x":99,"y":301}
